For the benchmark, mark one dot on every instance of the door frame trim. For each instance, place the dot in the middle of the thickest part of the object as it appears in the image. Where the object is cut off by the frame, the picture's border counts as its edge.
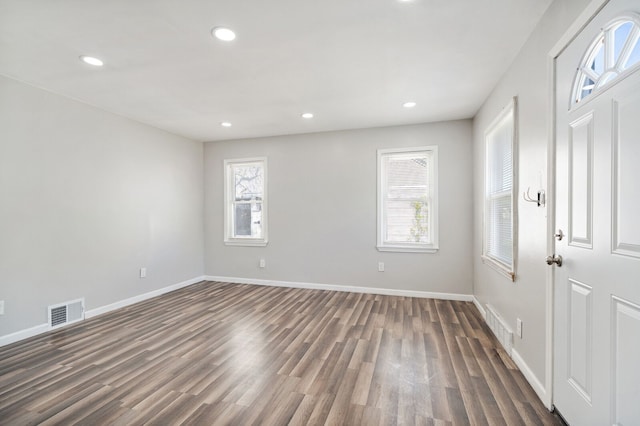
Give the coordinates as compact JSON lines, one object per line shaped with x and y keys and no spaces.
{"x":587,"y":15}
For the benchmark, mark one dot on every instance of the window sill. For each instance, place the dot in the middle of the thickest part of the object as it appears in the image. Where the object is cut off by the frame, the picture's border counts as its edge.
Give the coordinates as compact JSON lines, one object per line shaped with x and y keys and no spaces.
{"x":246,"y":243}
{"x":408,"y":249}
{"x":499,"y":267}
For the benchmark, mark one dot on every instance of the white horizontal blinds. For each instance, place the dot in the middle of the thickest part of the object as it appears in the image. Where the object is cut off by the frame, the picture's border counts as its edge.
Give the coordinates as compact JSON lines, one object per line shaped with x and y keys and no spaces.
{"x":499,"y":241}
{"x":248,"y":198}
{"x":406,"y":204}
{"x":499,"y":192}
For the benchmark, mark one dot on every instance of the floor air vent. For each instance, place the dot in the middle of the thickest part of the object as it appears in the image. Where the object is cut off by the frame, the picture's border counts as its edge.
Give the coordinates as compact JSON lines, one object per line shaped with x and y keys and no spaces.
{"x":66,"y":313}
{"x":499,"y":328}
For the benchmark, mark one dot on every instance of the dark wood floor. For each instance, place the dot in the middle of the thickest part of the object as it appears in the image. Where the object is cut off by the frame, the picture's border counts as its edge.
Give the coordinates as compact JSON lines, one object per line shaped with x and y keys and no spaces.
{"x":218,"y":353}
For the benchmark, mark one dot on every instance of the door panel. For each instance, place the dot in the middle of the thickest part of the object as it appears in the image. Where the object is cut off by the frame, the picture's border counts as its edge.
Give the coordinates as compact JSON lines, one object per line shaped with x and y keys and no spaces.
{"x":626,"y":190}
{"x":626,"y":347}
{"x":580,"y":181}
{"x":596,"y":378}
{"x":579,"y":365}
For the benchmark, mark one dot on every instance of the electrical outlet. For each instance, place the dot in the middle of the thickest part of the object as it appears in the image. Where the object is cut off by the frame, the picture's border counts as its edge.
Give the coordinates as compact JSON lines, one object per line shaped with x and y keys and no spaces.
{"x":143,"y":272}
{"x":519,"y":327}
{"x":263,"y":263}
{"x":380,"y":266}
{"x":1,"y":307}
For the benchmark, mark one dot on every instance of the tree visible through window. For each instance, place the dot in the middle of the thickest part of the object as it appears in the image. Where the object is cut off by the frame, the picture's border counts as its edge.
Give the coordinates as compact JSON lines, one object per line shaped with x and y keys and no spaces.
{"x":407,"y":209}
{"x":245,"y":212}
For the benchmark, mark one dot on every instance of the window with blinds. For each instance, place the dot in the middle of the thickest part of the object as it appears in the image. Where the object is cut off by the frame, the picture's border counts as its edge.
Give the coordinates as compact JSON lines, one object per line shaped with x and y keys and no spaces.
{"x":407,"y":203}
{"x":499,"y":215}
{"x":245,"y":202}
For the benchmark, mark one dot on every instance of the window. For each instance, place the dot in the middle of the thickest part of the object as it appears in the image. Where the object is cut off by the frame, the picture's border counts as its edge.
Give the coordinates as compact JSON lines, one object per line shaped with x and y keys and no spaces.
{"x":245,"y":214}
{"x":614,"y":52}
{"x":407,"y":199}
{"x":499,"y":204}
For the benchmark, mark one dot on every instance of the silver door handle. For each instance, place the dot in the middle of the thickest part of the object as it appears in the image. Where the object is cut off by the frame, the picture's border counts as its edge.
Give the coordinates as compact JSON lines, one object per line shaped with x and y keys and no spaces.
{"x":554,"y":259}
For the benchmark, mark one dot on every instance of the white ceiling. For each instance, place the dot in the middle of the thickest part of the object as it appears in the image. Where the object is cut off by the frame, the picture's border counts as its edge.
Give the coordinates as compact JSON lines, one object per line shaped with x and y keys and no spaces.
{"x":350,"y":62}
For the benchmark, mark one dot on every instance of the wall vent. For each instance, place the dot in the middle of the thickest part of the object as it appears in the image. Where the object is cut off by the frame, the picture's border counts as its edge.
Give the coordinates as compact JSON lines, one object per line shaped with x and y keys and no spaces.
{"x":499,"y":328}
{"x":66,"y":313}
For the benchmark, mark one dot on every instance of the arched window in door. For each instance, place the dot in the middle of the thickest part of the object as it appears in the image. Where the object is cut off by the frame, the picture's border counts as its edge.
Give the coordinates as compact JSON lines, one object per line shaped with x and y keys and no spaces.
{"x":613,"y":53}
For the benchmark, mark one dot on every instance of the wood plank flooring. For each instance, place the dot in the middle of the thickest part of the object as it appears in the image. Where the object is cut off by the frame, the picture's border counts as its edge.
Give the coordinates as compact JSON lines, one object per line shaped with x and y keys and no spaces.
{"x":219,"y":353}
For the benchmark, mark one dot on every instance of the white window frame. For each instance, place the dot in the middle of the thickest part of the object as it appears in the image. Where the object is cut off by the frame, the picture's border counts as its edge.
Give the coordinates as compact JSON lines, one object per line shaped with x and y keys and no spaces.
{"x":615,"y":69}
{"x":508,"y":270}
{"x":432,"y":196}
{"x":229,"y":194}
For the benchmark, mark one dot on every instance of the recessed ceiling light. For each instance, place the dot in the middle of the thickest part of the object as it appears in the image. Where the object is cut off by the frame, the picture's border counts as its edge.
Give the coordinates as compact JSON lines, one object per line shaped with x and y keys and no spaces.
{"x":224,"y":34}
{"x":409,"y":104}
{"x":225,"y":124}
{"x":307,"y":115}
{"x":91,"y":61}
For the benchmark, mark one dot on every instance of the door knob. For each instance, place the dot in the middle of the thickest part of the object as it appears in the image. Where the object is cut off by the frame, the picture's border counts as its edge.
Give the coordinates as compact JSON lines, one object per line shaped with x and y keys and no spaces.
{"x":554,"y":259}
{"x":560,"y":235}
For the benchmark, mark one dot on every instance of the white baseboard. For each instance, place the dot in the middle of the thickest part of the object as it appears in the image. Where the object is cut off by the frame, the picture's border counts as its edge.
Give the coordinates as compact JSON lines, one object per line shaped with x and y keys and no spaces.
{"x":39,"y":329}
{"x":23,"y":334}
{"x":139,"y":298}
{"x":350,"y":289}
{"x":537,"y":386}
{"x":480,"y":307}
{"x":528,"y":374}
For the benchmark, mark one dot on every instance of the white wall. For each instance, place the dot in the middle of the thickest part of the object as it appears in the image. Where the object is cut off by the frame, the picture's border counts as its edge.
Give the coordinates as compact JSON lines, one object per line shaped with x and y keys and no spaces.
{"x":87,"y":198}
{"x":322,"y":210}
{"x":527,"y":78}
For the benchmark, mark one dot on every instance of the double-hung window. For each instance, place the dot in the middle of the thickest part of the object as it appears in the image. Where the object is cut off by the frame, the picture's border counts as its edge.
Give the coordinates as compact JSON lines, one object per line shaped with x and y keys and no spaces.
{"x":407,"y":199}
{"x":499,"y":201}
{"x":245,"y":194}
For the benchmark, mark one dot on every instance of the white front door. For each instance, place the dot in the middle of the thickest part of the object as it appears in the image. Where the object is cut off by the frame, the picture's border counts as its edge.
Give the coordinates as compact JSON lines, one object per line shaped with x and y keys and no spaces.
{"x":597,"y":288}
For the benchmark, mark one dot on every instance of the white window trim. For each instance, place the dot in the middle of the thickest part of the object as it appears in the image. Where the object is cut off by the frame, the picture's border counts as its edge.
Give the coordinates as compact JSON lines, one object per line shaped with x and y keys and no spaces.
{"x":433,"y":216}
{"x":228,"y":205}
{"x":508,"y":271}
